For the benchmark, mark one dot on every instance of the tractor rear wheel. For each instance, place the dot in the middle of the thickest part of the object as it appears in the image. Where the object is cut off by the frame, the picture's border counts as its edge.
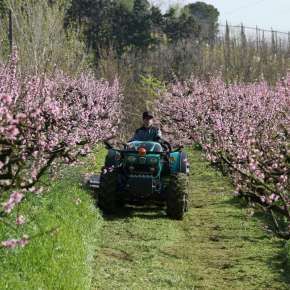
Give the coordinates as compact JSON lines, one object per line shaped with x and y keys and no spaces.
{"x":177,"y":196}
{"x":107,"y":195}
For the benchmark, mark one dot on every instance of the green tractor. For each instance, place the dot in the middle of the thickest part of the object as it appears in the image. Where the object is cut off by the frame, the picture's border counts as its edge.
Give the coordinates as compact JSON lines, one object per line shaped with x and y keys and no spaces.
{"x":142,"y":172}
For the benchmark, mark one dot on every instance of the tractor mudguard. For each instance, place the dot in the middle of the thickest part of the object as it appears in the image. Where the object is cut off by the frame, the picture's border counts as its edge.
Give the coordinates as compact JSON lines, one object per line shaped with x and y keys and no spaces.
{"x":113,"y":158}
{"x":179,"y":162}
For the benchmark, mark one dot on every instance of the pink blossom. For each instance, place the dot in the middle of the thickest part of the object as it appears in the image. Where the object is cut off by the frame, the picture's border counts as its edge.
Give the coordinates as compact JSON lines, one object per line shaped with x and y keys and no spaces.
{"x":241,"y":127}
{"x":253,"y":167}
{"x":12,"y":131}
{"x":40,"y":115}
{"x":10,"y":244}
{"x":274,"y":197}
{"x":6,"y":99}
{"x":14,"y":199}
{"x":13,"y":243}
{"x":23,"y":241}
{"x":20,"y":220}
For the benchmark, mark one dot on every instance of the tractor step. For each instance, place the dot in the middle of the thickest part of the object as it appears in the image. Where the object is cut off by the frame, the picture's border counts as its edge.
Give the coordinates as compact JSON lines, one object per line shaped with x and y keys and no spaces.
{"x":94,"y":181}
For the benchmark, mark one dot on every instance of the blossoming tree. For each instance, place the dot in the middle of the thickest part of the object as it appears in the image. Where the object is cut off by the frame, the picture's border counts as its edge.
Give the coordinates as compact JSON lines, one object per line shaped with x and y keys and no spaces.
{"x":242,"y":128}
{"x":47,"y":120}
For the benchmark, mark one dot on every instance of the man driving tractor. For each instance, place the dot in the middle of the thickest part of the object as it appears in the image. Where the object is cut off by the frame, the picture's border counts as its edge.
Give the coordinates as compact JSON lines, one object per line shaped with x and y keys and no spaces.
{"x":147,"y":132}
{"x":147,"y":169}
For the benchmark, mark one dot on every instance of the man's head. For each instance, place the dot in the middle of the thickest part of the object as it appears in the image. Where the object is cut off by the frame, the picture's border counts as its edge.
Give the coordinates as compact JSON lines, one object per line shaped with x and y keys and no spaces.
{"x":147,"y":119}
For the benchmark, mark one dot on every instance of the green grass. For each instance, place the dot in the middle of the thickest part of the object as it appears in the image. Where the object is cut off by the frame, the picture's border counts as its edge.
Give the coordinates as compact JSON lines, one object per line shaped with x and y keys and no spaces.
{"x":219,"y":245}
{"x":63,"y":258}
{"x":287,"y":256}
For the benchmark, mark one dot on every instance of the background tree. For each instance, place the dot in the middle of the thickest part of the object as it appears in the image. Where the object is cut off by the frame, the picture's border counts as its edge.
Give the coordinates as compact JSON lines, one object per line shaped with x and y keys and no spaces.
{"x":197,"y":20}
{"x":172,"y":24}
{"x":157,"y":19}
{"x":123,"y":24}
{"x":3,"y":8}
{"x":206,"y":16}
{"x":121,"y":21}
{"x":135,"y":24}
{"x":94,"y":17}
{"x":141,"y":26}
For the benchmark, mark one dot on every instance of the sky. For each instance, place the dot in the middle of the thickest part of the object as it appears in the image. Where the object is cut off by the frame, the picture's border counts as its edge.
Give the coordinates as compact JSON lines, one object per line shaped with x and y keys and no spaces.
{"x":266,"y":14}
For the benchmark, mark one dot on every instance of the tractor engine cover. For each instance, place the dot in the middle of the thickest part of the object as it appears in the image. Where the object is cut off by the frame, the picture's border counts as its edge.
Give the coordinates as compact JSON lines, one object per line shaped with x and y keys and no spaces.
{"x":140,"y":185}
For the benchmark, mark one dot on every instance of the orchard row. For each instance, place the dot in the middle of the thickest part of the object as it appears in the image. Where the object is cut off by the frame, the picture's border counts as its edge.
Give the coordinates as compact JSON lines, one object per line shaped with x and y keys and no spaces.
{"x":244,"y":130}
{"x":45,"y":121}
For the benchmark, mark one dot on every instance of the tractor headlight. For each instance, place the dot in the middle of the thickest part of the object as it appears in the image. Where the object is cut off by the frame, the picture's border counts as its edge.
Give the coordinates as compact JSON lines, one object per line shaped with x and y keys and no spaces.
{"x":153,"y":161}
{"x":131,"y":159}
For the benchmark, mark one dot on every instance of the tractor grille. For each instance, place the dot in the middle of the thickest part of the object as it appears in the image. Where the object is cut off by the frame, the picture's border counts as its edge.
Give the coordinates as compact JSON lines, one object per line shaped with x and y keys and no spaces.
{"x":141,"y":169}
{"x":142,"y":166}
{"x":140,"y":185}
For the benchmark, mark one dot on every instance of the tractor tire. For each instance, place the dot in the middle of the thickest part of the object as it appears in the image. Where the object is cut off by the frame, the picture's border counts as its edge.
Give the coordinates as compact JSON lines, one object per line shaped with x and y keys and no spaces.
{"x":111,"y":158}
{"x":177,"y":196}
{"x":107,"y":194}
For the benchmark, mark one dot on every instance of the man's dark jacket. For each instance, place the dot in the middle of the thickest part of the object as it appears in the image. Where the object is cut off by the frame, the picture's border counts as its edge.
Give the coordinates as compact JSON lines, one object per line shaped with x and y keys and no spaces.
{"x":147,"y":134}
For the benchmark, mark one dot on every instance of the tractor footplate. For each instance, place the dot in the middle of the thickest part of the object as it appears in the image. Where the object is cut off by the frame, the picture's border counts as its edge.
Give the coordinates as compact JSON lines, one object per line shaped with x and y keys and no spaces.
{"x":94,"y":181}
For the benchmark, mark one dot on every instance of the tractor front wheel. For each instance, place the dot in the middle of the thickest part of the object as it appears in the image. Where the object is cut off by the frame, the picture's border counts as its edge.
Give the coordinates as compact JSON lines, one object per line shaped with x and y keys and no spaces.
{"x":107,"y":197}
{"x":177,"y":196}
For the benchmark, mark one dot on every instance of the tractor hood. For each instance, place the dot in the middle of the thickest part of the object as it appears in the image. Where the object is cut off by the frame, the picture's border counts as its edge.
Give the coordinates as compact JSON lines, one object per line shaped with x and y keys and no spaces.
{"x":148,"y":145}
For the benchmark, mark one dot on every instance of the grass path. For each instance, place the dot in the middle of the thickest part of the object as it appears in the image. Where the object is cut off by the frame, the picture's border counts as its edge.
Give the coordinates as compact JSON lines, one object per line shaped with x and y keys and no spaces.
{"x":217,"y":246}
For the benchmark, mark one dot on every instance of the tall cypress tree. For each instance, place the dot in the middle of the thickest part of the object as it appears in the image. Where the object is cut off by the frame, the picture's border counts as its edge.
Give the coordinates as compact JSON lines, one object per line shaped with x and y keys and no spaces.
{"x":141,"y":26}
